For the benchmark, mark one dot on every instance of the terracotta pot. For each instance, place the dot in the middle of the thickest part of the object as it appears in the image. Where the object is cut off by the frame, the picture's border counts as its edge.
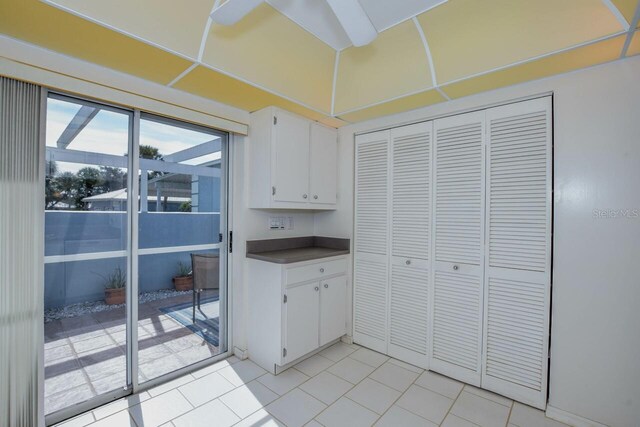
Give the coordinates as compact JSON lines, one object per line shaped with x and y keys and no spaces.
{"x":183,"y":283}
{"x":115,"y":296}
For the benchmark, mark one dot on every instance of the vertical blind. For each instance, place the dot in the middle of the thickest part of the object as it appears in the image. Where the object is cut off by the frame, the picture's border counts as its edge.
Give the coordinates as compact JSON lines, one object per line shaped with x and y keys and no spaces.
{"x":21,"y":253}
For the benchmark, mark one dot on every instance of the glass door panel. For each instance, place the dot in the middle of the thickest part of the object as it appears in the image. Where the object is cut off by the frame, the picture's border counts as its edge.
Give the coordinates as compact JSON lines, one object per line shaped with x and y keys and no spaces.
{"x":86,"y":238}
{"x":179,"y":228}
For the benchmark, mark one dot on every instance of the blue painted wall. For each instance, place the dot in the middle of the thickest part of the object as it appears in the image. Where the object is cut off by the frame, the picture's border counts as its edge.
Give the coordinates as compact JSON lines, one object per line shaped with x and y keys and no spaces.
{"x":68,"y":233}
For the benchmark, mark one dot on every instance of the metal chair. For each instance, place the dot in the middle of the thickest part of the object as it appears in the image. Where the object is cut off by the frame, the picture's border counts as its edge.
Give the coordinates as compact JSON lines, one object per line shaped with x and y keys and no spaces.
{"x":206,"y":275}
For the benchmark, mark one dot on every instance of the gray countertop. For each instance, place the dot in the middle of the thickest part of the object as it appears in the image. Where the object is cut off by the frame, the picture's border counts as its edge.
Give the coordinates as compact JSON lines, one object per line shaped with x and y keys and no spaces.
{"x":296,"y":249}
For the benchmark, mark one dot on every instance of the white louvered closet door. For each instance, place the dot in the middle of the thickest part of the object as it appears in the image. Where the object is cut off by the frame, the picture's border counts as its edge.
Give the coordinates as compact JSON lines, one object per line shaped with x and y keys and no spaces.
{"x":410,"y":243}
{"x":458,"y":246}
{"x":518,"y":265}
{"x":370,"y":295}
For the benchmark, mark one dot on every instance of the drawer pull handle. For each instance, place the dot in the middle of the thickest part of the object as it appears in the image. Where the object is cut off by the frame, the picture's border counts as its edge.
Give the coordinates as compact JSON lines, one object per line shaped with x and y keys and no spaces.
{"x":322,"y":270}
{"x":304,"y":196}
{"x":315,"y":197}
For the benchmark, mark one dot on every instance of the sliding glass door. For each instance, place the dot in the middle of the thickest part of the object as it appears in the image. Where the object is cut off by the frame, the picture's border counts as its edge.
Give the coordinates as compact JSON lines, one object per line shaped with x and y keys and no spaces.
{"x":135,"y":274}
{"x":179,"y":229}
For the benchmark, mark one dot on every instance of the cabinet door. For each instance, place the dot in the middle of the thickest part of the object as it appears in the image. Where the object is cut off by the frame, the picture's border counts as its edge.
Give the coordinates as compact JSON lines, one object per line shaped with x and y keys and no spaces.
{"x":323,"y":164}
{"x":518,"y":265}
{"x":333,"y":315}
{"x":458,"y":246}
{"x":302,"y":320}
{"x":291,"y":158}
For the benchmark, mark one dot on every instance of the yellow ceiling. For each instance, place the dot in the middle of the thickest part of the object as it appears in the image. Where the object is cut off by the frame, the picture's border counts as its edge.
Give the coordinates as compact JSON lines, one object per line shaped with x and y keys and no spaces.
{"x":269,"y":50}
{"x":634,"y":47}
{"x":267,"y":59}
{"x":176,"y":28}
{"x":461,"y":32}
{"x":394,"y":64}
{"x":626,"y":7}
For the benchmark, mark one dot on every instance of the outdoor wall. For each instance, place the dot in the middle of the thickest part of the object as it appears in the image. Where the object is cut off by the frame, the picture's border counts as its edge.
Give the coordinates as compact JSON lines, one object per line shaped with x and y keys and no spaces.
{"x":72,"y":233}
{"x":595,"y":338}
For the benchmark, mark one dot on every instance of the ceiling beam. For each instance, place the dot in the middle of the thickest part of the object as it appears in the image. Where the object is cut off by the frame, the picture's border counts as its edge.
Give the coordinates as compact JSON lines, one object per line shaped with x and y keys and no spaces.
{"x":632,"y":29}
{"x":199,"y":150}
{"x":616,"y":12}
{"x":82,"y":118}
{"x":427,"y":50}
{"x":336,"y":64}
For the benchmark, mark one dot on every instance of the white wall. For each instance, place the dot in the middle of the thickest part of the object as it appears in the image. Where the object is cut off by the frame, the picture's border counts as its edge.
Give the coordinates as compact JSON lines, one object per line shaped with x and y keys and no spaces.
{"x":595,"y":338}
{"x":251,"y":224}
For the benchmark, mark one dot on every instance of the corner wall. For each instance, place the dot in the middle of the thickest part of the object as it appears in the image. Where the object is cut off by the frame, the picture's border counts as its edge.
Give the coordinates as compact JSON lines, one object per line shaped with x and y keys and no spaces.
{"x":595,"y":336}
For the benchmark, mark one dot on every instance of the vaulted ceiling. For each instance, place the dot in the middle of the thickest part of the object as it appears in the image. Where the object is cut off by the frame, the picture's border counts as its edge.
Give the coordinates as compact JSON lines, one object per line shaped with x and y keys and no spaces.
{"x":291,"y":53}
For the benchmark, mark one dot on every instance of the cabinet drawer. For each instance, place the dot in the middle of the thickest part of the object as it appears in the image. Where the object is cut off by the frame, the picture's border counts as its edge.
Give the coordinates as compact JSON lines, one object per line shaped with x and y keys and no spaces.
{"x":316,"y":270}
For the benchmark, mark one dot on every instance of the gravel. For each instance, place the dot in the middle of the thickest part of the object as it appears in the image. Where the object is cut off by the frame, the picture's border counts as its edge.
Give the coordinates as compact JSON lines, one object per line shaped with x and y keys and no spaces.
{"x":81,"y":308}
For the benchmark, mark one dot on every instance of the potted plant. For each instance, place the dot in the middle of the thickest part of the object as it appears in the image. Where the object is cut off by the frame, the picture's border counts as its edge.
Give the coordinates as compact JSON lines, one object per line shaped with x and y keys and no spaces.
{"x":114,"y":287}
{"x":184,"y":280}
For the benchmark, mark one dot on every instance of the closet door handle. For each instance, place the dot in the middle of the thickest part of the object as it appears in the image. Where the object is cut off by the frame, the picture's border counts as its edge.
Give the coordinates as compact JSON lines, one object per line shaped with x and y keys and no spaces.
{"x":408,"y":262}
{"x":326,"y":285}
{"x":316,"y":288}
{"x":455,"y":267}
{"x":304,"y":196}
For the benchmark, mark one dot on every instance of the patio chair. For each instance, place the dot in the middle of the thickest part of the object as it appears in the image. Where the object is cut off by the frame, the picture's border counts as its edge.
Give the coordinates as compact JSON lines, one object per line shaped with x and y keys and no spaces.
{"x":206,"y":275}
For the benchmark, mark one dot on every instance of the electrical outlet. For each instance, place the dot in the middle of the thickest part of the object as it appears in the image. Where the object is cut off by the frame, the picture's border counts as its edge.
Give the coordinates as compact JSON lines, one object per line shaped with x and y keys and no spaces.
{"x":277,"y":223}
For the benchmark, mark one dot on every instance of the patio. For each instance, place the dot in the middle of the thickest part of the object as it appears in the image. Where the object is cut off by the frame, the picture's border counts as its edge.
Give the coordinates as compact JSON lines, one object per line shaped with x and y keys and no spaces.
{"x":85,"y":355}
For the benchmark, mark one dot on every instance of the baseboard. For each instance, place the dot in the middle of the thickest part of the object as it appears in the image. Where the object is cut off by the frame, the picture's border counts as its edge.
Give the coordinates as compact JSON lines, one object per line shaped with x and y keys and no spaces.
{"x":347,"y":339}
{"x":571,"y":419}
{"x":240,"y":354}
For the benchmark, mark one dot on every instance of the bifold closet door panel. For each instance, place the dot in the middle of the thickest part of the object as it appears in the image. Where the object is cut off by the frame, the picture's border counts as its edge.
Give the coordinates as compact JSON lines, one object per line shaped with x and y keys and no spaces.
{"x":410,"y":243}
{"x":371,"y":258}
{"x":518,"y":264}
{"x":458,"y":244}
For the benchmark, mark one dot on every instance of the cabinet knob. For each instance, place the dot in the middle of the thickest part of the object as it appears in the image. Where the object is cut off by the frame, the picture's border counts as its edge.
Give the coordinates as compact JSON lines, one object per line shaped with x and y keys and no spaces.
{"x":304,"y":196}
{"x":315,"y":197}
{"x":408,"y":262}
{"x":322,"y":270}
{"x":316,"y":288}
{"x":326,"y":285}
{"x":455,"y":267}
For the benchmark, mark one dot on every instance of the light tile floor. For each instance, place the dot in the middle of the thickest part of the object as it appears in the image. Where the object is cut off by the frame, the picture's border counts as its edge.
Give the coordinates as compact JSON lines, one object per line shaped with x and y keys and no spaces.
{"x":85,"y":355}
{"x":344,"y":385}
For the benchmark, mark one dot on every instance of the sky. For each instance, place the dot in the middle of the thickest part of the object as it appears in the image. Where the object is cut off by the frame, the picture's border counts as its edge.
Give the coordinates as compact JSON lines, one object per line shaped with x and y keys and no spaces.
{"x":108,"y":133}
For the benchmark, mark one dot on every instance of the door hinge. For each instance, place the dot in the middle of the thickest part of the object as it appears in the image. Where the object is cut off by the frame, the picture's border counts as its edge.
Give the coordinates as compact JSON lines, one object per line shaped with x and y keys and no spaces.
{"x":284,"y":300}
{"x":273,"y":191}
{"x":230,"y":241}
{"x":284,"y":352}
{"x":275,"y":120}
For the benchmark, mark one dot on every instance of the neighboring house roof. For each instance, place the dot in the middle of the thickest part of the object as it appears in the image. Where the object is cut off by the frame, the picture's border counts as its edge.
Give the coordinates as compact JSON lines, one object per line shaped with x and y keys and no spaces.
{"x":121,"y":195}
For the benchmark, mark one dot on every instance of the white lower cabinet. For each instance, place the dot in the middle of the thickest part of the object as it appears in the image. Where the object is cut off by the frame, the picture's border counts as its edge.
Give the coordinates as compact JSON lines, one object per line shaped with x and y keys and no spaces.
{"x":294,"y":309}
{"x":302,"y":314}
{"x":333,"y":313}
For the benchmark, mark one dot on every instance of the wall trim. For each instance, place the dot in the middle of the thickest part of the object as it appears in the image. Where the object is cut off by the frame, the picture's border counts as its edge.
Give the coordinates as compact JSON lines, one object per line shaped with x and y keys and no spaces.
{"x":28,"y":62}
{"x":570,"y":418}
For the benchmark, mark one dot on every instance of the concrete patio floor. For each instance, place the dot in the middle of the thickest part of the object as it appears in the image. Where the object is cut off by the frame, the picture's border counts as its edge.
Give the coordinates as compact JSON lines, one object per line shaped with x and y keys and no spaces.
{"x":85,"y":355}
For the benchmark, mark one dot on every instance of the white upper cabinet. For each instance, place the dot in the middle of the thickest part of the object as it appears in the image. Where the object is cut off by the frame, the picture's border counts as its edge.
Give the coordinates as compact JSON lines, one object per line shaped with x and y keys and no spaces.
{"x":323,"y":170}
{"x":290,"y":158}
{"x":293,"y":162}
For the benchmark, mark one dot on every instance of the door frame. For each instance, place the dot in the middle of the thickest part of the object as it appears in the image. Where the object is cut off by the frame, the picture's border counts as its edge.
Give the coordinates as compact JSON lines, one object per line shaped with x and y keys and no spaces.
{"x":132,"y":253}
